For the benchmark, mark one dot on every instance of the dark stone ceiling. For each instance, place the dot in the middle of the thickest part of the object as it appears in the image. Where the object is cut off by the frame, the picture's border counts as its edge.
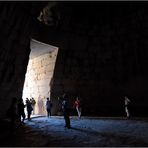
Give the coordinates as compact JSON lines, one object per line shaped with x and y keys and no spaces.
{"x":87,"y":14}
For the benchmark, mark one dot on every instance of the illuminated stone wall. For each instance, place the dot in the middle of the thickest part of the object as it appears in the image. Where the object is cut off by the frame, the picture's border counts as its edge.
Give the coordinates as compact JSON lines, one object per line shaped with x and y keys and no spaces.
{"x":102,"y":55}
{"x":38,"y":79}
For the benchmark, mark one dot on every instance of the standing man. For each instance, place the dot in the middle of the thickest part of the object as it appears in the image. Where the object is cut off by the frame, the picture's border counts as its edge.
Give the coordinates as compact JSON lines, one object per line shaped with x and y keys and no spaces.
{"x":29,"y":108}
{"x":48,"y":107}
{"x":65,"y":109}
{"x":127,"y":102}
{"x":21,"y":113}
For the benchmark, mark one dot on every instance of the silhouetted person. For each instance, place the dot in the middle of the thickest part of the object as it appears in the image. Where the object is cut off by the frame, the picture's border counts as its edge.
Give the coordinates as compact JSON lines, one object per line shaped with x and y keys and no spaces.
{"x":12,"y":114}
{"x":48,"y":107}
{"x":33,"y":102}
{"x":60,"y":111}
{"x":21,"y":113}
{"x":127,"y":102}
{"x":29,"y":108}
{"x":40,"y":105}
{"x":66,"y":109}
{"x":77,"y":105}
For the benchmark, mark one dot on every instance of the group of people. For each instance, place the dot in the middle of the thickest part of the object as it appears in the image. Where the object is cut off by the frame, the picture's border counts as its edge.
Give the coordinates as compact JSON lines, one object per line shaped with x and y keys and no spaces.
{"x":30,"y":104}
{"x":16,"y":109}
{"x":77,"y":105}
{"x":16,"y":112}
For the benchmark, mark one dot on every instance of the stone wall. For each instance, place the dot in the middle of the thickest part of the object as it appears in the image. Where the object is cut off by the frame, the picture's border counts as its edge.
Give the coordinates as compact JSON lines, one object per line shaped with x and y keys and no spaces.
{"x":39,"y":78}
{"x":17,"y":20}
{"x":102,"y":54}
{"x":15,"y":28}
{"x":102,"y":60}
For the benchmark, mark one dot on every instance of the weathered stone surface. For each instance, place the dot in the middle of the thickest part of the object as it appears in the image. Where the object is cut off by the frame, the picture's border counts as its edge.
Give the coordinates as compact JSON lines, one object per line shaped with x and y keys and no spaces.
{"x":102,"y":54}
{"x":14,"y":51}
{"x":104,"y":62}
{"x":38,"y":78}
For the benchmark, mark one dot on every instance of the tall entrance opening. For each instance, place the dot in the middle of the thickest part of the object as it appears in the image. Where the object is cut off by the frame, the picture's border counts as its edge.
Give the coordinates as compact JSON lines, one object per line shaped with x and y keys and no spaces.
{"x":39,"y":74}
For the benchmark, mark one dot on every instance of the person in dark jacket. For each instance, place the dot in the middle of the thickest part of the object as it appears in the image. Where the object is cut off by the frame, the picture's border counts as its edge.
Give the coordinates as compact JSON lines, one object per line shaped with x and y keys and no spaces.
{"x":48,"y":107}
{"x":21,"y":113}
{"x":12,"y":114}
{"x":66,"y":109}
{"x":29,"y":108}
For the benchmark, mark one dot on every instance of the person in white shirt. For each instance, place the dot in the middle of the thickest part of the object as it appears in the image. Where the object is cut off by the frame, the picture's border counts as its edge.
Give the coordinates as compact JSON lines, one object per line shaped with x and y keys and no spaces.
{"x":127,"y":102}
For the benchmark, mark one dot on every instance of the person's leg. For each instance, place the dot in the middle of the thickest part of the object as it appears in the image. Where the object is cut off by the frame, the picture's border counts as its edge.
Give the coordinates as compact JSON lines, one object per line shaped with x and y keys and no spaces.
{"x":32,"y":109}
{"x":29,"y":114}
{"x":23,"y":117}
{"x":127,"y":112}
{"x":50,"y":112}
{"x":77,"y":111}
{"x":80,"y":110}
{"x":19,"y":118}
{"x":67,"y":120}
{"x":47,"y":112}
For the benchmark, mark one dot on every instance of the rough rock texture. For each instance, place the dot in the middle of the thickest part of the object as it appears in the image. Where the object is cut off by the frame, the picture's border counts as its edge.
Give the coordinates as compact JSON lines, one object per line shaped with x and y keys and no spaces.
{"x":39,"y":78}
{"x":102,"y":53}
{"x":16,"y":22}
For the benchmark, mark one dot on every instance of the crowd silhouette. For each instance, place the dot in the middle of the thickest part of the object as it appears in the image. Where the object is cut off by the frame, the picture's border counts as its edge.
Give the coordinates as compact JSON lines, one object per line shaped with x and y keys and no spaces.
{"x":17,"y":115}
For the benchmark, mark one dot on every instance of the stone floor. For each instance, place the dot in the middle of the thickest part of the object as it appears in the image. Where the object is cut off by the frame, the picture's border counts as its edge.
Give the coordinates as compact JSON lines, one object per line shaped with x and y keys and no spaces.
{"x":87,"y":132}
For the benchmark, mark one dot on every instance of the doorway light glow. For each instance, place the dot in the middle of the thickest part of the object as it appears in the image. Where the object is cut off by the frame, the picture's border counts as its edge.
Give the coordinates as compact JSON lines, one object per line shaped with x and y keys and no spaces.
{"x":39,"y":74}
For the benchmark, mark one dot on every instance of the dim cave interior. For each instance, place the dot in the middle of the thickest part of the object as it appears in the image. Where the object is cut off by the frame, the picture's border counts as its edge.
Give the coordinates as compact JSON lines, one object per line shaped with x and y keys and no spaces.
{"x":101,"y":55}
{"x":96,"y":50}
